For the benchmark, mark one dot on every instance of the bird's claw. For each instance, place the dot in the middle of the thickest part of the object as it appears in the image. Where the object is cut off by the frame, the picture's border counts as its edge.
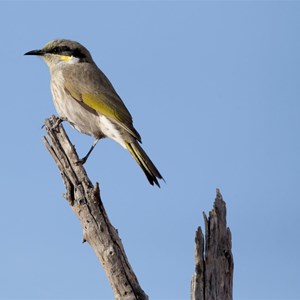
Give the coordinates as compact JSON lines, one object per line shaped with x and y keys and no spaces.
{"x":81,"y":161}
{"x":57,"y":122}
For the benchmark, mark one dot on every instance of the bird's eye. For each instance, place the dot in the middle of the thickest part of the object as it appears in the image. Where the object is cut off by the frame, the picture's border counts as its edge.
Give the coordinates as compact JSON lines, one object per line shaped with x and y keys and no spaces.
{"x":61,"y":50}
{"x":65,"y":49}
{"x":55,"y":50}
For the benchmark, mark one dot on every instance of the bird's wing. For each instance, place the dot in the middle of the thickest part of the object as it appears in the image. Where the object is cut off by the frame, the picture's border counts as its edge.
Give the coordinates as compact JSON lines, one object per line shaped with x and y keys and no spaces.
{"x":101,"y":97}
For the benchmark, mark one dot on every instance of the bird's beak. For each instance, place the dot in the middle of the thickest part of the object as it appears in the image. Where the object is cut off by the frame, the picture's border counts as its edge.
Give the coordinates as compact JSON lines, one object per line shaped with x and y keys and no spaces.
{"x":35,"y":52}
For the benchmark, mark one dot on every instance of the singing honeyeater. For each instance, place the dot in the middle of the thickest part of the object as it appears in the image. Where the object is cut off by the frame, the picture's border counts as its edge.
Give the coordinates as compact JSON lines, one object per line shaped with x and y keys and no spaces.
{"x":84,"y":97}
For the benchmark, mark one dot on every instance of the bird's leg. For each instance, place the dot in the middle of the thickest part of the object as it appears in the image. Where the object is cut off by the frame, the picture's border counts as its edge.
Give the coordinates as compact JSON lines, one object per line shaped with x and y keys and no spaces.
{"x":84,"y":159}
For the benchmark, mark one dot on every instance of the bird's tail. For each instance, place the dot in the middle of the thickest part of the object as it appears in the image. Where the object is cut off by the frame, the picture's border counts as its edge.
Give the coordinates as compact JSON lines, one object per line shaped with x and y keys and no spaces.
{"x":144,"y":162}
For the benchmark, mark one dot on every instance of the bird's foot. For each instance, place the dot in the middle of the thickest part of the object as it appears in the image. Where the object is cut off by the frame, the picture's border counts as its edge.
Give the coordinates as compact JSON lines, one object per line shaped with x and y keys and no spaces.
{"x":54,"y":123}
{"x":82,"y":161}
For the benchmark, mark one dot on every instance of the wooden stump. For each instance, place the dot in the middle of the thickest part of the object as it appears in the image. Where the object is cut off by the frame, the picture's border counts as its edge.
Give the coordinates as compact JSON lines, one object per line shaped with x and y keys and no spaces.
{"x":214,"y":261}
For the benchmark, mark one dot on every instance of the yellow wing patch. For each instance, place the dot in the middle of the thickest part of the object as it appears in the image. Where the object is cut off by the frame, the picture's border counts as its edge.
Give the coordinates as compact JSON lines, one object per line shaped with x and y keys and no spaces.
{"x":99,"y":106}
{"x":106,"y":105}
{"x":99,"y":103}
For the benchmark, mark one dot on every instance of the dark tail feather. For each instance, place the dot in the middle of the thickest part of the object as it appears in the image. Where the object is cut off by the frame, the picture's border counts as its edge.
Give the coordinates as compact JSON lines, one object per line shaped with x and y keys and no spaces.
{"x":144,"y":162}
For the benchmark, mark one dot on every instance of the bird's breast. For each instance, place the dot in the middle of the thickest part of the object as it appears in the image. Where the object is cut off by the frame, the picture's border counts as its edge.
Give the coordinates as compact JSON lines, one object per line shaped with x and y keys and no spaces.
{"x":85,"y":121}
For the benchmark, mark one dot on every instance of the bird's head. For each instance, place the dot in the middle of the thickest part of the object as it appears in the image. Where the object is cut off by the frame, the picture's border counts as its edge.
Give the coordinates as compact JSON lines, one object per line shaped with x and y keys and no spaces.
{"x":62,"y":51}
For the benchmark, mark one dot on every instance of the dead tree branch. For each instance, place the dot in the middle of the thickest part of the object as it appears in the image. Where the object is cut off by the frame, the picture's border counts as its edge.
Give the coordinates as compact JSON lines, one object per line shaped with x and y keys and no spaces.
{"x":85,"y":201}
{"x":214,"y":266}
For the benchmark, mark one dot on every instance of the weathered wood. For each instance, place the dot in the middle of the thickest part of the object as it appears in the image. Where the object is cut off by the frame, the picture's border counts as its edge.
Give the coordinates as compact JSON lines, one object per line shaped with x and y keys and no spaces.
{"x":214,"y":267}
{"x":85,"y":201}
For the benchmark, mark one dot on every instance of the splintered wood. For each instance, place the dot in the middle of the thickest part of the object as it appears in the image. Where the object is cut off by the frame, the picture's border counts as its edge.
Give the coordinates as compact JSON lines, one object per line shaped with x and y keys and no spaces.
{"x":213,"y":258}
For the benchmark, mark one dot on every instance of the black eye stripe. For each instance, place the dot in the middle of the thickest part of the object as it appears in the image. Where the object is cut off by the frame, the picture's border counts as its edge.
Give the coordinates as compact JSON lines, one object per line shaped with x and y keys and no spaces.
{"x":60,"y":50}
{"x":65,"y":50}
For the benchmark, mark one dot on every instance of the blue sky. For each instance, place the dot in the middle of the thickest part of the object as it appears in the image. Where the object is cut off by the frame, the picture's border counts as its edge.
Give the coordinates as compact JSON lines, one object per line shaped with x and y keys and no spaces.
{"x":214,"y":90}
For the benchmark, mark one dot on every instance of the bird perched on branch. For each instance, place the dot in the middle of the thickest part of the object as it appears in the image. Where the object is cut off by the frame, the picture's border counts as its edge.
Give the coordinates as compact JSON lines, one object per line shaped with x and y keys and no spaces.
{"x":84,"y":97}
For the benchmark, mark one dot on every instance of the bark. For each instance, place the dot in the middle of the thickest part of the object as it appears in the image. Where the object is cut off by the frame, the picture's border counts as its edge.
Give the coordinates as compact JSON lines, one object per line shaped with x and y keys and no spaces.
{"x":84,"y":199}
{"x":214,"y":261}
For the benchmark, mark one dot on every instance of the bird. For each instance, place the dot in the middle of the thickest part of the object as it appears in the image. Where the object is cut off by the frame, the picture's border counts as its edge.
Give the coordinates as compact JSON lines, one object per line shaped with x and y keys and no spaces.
{"x":84,"y":97}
